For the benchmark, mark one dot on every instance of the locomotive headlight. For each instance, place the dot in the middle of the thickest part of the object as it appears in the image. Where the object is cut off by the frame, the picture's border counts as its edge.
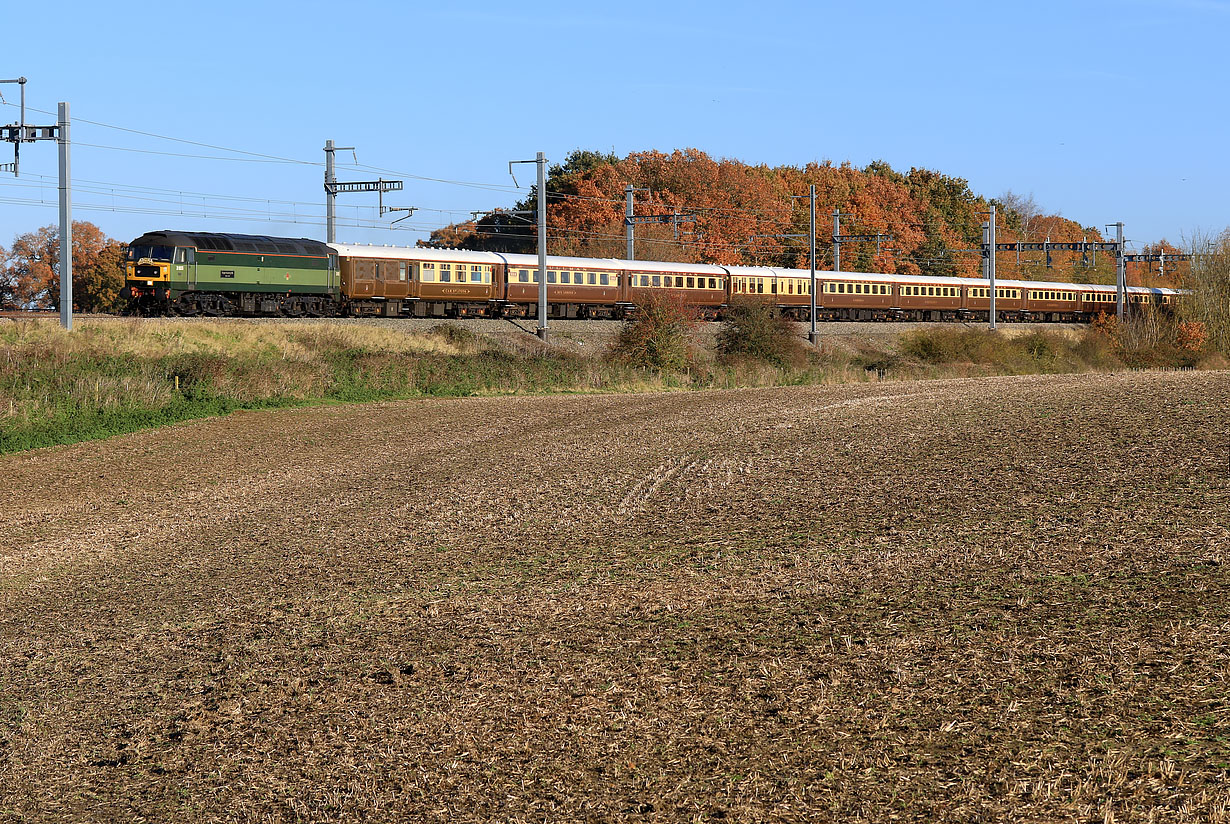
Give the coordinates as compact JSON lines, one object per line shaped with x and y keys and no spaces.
{"x":149,"y":283}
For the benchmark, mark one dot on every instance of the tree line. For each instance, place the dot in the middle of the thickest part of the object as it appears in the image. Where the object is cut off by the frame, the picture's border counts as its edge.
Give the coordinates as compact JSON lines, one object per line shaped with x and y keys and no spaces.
{"x":748,"y":215}
{"x":30,"y":270}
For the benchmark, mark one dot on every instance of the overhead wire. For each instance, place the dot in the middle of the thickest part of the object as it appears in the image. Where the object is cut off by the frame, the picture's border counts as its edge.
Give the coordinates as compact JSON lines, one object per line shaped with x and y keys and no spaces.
{"x":782,"y":217}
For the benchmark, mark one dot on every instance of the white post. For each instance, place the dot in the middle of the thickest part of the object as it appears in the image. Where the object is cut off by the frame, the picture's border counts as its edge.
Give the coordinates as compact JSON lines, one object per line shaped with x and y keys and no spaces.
{"x":66,"y":224}
{"x":991,"y":263}
{"x":1120,"y":273}
{"x":542,"y":246}
{"x":812,"y":194}
{"x":629,"y":231}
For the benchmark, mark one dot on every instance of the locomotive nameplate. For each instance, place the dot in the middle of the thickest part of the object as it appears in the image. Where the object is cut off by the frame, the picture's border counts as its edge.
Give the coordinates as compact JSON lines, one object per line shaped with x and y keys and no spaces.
{"x":227,"y":273}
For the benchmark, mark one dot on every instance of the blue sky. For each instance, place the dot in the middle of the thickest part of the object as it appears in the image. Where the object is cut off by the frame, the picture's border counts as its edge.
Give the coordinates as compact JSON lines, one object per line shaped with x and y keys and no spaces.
{"x":1105,"y":111}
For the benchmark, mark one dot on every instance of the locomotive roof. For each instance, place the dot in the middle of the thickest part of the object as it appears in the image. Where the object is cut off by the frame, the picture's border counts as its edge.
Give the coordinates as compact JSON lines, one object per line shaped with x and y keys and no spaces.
{"x":225,"y":242}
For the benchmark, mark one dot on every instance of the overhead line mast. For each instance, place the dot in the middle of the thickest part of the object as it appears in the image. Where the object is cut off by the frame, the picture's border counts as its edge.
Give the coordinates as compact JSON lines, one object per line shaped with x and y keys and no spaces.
{"x":19,"y":133}
{"x":333,"y":187}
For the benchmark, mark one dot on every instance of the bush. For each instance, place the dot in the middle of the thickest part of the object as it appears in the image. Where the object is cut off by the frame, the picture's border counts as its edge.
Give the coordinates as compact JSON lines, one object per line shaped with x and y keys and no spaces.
{"x":1105,"y":327}
{"x":1191,"y":336}
{"x":659,"y":335}
{"x":954,"y":345}
{"x":1209,"y":284}
{"x":754,"y":328}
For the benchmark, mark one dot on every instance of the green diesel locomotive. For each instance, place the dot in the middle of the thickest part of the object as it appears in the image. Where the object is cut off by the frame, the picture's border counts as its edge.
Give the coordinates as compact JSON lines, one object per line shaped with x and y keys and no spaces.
{"x":203,"y":273}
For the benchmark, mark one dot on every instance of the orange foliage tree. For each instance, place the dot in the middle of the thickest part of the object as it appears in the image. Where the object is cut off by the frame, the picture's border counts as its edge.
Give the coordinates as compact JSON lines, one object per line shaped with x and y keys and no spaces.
{"x":30,"y":272}
{"x":744,"y":213}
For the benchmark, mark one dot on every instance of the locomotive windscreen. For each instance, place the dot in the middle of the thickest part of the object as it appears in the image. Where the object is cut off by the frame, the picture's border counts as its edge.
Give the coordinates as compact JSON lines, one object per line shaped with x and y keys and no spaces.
{"x":152,"y":252}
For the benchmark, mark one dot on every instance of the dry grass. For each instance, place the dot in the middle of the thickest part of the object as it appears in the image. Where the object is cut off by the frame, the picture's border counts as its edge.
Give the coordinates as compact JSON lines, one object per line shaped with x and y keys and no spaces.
{"x":996,"y":600}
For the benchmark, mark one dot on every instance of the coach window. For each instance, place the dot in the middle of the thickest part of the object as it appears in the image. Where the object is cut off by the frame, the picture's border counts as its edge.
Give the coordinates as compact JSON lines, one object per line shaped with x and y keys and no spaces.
{"x":565,"y":277}
{"x":427,"y":272}
{"x":401,"y":270}
{"x":593,"y":278}
{"x":692,"y":283}
{"x":551,"y":275}
{"x":605,"y":279}
{"x":656,"y":280}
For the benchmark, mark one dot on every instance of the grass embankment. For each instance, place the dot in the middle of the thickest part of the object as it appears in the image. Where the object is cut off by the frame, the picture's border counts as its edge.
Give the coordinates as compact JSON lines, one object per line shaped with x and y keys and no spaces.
{"x":110,"y":377}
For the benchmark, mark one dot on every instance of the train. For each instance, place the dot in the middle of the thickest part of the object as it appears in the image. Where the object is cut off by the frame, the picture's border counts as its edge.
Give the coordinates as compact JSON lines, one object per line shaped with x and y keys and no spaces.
{"x":215,"y":274}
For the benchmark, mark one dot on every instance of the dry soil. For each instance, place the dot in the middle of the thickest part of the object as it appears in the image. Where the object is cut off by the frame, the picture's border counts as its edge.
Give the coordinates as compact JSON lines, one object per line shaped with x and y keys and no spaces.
{"x":994,"y":600}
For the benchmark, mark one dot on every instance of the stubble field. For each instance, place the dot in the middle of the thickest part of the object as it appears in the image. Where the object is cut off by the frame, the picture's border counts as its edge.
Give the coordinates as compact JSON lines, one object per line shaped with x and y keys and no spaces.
{"x":1002,"y":599}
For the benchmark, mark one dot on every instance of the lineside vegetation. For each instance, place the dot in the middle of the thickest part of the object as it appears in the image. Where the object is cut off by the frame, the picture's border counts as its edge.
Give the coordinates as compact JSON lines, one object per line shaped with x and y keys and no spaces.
{"x":113,"y":376}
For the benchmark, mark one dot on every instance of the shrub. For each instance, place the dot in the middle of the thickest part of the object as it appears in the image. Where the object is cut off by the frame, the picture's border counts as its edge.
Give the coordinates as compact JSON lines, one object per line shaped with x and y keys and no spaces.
{"x":458,"y":336}
{"x":951,"y":345}
{"x":754,"y":328}
{"x":659,"y":335}
{"x":1105,"y":326}
{"x":1191,"y":336}
{"x":1209,"y":284}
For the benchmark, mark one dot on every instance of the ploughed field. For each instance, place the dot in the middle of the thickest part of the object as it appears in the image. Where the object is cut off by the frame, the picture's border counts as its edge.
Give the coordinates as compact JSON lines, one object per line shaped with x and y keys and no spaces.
{"x":995,"y":599}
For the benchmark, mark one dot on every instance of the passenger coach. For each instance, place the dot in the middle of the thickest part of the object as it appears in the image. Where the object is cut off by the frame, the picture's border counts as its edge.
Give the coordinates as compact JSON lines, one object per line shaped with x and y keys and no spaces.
{"x":215,"y":274}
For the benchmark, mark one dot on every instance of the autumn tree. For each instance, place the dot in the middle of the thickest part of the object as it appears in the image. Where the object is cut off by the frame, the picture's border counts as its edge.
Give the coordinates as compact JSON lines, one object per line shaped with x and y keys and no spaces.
{"x":31,"y":269}
{"x":1208,"y":283}
{"x":746,"y":215}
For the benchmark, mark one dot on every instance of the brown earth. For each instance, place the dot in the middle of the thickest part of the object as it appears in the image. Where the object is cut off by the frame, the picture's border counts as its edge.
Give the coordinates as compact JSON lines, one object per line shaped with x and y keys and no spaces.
{"x":983,"y":600}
